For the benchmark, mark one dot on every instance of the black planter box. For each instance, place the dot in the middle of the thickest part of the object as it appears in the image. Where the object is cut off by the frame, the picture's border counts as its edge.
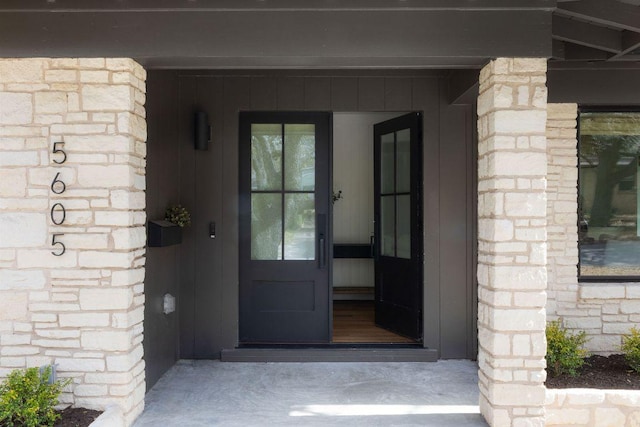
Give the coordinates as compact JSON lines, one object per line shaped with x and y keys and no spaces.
{"x":163,"y":233}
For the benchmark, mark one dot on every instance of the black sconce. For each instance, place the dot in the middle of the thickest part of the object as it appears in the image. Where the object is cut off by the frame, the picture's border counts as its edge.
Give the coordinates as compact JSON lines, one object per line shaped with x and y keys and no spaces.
{"x":202,"y":135}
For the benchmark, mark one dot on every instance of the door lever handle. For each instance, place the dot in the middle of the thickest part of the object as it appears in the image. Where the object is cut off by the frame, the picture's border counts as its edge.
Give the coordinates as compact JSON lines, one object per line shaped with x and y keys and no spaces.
{"x":322,"y":254}
{"x":212,"y":230}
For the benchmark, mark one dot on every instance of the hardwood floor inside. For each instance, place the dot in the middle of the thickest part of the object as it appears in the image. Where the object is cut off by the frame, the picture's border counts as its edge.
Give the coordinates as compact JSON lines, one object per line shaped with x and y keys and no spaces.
{"x":354,"y":322}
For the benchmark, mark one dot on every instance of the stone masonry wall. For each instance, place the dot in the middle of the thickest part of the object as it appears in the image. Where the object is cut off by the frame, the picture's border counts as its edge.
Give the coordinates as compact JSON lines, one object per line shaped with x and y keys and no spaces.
{"x":512,"y":168}
{"x":605,"y":311}
{"x":82,"y":310}
{"x":593,"y":408}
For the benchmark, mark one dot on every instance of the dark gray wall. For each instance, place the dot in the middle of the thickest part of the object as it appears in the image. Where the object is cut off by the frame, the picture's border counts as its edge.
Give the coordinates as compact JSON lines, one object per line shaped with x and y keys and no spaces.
{"x":209,"y":188}
{"x":163,"y":188}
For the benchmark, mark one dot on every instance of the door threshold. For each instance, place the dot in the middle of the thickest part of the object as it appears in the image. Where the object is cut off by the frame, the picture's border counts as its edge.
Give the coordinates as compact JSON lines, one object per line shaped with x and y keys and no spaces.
{"x":330,"y":353}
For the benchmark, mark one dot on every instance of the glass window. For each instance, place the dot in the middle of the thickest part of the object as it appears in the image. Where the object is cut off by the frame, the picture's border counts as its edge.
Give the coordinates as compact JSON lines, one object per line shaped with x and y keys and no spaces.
{"x":283,"y":212}
{"x":609,"y":233}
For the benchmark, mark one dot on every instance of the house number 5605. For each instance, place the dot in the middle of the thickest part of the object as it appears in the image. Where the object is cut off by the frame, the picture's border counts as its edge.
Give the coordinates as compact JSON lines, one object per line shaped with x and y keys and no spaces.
{"x":58,"y":213}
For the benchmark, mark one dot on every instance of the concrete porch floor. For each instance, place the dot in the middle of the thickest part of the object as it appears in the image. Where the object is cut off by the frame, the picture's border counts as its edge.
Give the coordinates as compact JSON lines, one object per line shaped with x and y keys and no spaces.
{"x":213,"y":393}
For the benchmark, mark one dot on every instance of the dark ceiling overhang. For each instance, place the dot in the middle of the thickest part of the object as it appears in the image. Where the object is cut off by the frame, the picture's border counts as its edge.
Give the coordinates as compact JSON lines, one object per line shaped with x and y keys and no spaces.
{"x":280,"y":33}
{"x":597,"y":31}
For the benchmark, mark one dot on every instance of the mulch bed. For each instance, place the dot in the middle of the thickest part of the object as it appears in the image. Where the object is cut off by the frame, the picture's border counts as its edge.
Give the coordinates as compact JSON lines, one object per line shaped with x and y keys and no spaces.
{"x":600,"y":372}
{"x":77,"y":417}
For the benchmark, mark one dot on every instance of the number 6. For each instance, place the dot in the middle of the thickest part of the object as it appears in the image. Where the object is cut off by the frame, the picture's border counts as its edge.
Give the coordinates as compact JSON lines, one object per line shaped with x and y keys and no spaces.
{"x":58,"y":181}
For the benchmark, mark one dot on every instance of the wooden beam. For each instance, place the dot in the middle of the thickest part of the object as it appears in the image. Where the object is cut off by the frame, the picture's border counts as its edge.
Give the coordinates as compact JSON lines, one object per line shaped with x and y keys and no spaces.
{"x":584,"y":34}
{"x":463,"y":87}
{"x":630,"y":43}
{"x":574,"y":52}
{"x":558,"y":50}
{"x":610,"y":13}
{"x":273,"y":5}
{"x":284,"y":39}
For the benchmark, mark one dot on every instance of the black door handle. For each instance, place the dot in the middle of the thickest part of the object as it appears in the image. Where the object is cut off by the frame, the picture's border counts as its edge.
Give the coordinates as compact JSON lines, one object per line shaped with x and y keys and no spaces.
{"x":322,"y":254}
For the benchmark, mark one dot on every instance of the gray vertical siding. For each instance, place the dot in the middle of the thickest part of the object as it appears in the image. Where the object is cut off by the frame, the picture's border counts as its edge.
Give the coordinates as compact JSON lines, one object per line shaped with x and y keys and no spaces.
{"x":161,"y":346}
{"x":209,"y":187}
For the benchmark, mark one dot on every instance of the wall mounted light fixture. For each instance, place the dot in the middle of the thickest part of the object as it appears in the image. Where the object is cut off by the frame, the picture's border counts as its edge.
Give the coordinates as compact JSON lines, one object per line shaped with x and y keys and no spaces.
{"x":202,"y":133}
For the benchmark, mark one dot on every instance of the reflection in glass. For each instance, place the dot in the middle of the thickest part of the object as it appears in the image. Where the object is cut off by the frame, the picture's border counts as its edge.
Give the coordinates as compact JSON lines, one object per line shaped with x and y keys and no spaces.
{"x":387,"y":219}
{"x":299,"y":157}
{"x":266,"y":156}
{"x":386,"y":167}
{"x":609,"y":233}
{"x":266,"y":226}
{"x":403,"y":161}
{"x":403,"y":227}
{"x":299,"y":227}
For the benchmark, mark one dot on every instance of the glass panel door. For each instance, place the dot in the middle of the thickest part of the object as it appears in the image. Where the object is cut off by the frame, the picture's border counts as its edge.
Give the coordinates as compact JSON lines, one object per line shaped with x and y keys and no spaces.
{"x":284,"y":227}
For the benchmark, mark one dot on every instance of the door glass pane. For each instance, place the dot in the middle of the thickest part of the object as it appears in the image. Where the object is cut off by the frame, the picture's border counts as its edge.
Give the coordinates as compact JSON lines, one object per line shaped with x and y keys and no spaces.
{"x":403,"y":161}
{"x":266,"y":156}
{"x":299,"y":226}
{"x":403,"y":227}
{"x":387,"y":225}
{"x":386,"y":163}
{"x":299,"y":157}
{"x":266,"y":226}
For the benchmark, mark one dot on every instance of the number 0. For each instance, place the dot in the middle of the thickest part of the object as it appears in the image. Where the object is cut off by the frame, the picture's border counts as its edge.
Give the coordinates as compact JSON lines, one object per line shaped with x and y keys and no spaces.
{"x":64,"y":214}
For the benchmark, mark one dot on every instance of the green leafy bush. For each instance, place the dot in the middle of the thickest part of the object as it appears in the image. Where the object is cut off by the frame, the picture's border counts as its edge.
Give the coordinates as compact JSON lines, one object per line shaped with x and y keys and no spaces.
{"x":565,"y":352}
{"x":178,"y":215}
{"x":631,"y":349}
{"x":27,"y":399}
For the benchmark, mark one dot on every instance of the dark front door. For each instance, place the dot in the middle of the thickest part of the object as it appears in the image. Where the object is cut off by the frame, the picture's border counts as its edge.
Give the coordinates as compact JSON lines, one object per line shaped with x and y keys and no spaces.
{"x":284,"y":227}
{"x":398,"y":225}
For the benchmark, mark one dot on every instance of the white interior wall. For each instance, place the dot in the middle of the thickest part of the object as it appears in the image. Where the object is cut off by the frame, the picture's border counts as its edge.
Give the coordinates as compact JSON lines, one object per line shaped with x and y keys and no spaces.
{"x":353,"y":174}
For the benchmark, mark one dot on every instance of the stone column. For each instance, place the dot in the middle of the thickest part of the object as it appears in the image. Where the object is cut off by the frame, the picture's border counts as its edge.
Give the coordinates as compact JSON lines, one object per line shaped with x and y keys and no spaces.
{"x":512,"y":277}
{"x":72,"y":140}
{"x":562,"y":211}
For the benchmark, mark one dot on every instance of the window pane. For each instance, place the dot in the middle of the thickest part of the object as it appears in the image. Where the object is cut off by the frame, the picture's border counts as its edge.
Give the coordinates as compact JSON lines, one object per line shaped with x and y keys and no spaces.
{"x":266,"y":226}
{"x":403,"y":227}
{"x":388,"y":241}
{"x":608,"y":203}
{"x":299,"y":226}
{"x":403,"y":161}
{"x":266,"y":156}
{"x":300,"y":157}
{"x":386,"y":166}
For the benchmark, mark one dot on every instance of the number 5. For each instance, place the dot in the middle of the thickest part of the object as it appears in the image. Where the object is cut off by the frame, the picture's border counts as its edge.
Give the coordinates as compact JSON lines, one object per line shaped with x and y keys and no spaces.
{"x":63,"y":248}
{"x":59,"y":150}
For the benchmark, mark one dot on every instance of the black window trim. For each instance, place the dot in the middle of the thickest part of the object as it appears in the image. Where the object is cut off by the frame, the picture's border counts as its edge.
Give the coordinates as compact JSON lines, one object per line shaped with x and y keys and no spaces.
{"x":599,"y":109}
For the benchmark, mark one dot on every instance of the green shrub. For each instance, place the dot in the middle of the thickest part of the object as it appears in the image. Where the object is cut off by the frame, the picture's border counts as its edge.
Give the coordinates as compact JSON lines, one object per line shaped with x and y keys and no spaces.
{"x":178,"y":215}
{"x":565,"y":352}
{"x":631,"y":349}
{"x":28,"y":399}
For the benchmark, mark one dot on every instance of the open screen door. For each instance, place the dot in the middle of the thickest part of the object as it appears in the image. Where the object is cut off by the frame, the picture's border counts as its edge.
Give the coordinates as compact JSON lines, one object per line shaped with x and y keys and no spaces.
{"x":284,"y":227}
{"x":398,"y":225}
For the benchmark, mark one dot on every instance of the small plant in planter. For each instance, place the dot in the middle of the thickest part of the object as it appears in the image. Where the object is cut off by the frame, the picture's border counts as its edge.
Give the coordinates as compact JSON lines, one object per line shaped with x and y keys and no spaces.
{"x":631,"y":349}
{"x":178,"y":215}
{"x":28,"y":399}
{"x":565,"y":351}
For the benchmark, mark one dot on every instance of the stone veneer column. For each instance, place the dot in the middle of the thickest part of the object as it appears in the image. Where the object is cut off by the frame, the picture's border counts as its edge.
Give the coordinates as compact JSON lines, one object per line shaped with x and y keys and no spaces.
{"x":562,"y":210}
{"x":83,"y":310}
{"x":512,"y":167}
